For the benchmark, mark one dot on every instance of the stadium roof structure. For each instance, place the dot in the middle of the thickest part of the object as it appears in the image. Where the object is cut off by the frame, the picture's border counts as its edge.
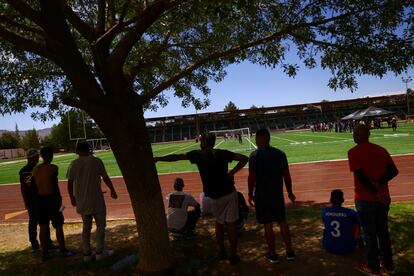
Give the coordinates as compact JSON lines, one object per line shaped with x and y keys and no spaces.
{"x":370,"y":112}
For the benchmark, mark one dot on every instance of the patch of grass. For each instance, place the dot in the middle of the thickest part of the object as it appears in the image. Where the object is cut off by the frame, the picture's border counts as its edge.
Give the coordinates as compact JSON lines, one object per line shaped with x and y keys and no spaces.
{"x":298,"y":146}
{"x":197,"y":257}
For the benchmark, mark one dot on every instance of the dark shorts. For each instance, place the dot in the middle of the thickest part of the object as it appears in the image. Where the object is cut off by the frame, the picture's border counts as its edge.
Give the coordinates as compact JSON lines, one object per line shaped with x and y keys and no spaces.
{"x":268,"y":213}
{"x":49,"y":211}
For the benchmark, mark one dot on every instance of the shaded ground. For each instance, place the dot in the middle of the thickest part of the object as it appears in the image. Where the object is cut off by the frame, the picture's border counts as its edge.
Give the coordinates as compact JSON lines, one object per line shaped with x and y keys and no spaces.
{"x":196,"y":257}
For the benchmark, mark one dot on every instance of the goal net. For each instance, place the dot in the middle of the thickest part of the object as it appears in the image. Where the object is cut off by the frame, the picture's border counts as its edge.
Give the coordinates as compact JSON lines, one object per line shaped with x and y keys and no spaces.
{"x":99,"y":144}
{"x":239,"y":136}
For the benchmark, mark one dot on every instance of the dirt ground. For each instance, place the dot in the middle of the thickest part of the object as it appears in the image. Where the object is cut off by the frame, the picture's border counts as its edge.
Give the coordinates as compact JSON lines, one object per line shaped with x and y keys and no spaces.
{"x":194,"y":257}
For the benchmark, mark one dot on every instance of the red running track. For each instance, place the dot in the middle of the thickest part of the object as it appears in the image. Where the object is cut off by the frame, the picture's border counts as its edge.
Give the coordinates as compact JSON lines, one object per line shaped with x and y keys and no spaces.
{"x":312,"y":184}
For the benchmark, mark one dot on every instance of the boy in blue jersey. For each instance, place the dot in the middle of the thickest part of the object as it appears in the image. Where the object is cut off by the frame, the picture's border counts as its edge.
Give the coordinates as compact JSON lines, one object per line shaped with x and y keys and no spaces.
{"x":341,"y":232}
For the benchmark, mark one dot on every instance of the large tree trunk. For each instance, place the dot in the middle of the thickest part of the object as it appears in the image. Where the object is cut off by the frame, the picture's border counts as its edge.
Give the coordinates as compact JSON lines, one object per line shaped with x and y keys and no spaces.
{"x":126,"y":131}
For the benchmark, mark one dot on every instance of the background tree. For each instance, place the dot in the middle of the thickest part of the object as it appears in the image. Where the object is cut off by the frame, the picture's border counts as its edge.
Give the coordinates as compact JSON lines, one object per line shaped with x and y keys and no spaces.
{"x":113,"y":59}
{"x":8,"y":140}
{"x":230,"y":107}
{"x":253,"y":107}
{"x":30,"y":140}
{"x":81,"y":125}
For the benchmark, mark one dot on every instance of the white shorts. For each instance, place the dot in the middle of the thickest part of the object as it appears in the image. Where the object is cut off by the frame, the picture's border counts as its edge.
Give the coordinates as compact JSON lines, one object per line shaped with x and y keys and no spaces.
{"x":225,"y":209}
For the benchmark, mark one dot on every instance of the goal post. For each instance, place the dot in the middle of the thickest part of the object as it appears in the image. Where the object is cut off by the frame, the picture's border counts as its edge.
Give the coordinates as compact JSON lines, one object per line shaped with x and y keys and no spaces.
{"x":237,"y":134}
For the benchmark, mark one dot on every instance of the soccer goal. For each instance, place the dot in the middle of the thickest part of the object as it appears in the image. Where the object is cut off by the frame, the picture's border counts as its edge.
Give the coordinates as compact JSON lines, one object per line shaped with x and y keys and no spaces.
{"x":241,"y":135}
{"x":99,"y":144}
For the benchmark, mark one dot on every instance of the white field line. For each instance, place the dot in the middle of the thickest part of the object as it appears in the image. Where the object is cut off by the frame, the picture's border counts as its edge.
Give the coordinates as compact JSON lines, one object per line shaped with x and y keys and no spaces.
{"x":294,"y":163}
{"x":163,"y":148}
{"x":293,"y":141}
{"x":216,"y":146}
{"x":250,"y":142}
{"x":300,"y":134}
{"x":181,"y":149}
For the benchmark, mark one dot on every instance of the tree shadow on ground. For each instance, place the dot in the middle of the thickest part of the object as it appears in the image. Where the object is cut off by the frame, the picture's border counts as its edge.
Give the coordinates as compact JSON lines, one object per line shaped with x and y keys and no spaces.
{"x":197,"y":257}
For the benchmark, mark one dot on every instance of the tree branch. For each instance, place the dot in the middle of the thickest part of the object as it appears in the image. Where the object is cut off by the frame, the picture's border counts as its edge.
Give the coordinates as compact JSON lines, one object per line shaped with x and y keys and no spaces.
{"x":27,"y":11}
{"x":100,"y":25}
{"x":143,"y":22}
{"x":84,"y":29}
{"x":236,"y":49}
{"x":22,"y":27}
{"x":72,"y":102}
{"x":25,"y":44}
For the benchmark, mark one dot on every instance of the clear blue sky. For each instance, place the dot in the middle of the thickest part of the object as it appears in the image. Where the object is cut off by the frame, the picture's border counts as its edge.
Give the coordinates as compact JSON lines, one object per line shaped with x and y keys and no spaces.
{"x":247,"y":84}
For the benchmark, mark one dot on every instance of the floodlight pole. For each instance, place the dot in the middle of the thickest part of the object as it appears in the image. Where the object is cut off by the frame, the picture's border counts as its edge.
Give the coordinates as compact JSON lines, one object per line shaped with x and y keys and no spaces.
{"x":406,"y":81}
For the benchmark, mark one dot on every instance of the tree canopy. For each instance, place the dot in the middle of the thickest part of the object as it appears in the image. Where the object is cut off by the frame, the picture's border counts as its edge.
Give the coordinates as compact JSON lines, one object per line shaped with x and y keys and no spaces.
{"x":113,"y":59}
{"x":181,"y":45}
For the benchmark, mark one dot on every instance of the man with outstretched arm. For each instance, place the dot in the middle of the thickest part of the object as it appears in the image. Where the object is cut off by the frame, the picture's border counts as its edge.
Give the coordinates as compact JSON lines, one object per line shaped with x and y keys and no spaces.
{"x":218,"y":184}
{"x":268,"y":169}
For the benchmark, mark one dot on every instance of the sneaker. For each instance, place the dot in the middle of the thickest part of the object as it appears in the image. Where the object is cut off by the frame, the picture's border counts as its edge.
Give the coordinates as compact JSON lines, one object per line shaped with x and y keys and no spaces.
{"x":364,"y":268}
{"x":67,"y":253}
{"x":290,"y":256}
{"x":234,"y":259}
{"x":46,"y":256}
{"x":272,"y":257}
{"x":104,"y":254}
{"x":87,"y":258}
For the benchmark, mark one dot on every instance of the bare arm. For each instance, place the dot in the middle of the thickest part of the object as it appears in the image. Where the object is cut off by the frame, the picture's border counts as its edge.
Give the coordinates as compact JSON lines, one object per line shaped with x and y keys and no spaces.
{"x":171,"y":158}
{"x":22,"y":184}
{"x":389,"y":174}
{"x":251,"y":181}
{"x":288,"y":184}
{"x":108,"y":183}
{"x":242,"y":161}
{"x":70,"y":192}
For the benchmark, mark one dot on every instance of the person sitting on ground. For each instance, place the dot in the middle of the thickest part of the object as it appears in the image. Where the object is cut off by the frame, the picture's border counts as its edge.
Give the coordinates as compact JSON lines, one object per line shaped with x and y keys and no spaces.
{"x":49,"y":203}
{"x":341,"y":226}
{"x":180,"y":220}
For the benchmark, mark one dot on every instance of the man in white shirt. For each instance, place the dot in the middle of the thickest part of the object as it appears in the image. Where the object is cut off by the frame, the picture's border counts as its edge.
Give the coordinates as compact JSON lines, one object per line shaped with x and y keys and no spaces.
{"x":179,"y":219}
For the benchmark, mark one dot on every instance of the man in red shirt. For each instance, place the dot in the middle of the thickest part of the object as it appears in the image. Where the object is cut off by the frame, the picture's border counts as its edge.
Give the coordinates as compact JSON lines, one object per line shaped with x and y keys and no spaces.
{"x":373,"y":167}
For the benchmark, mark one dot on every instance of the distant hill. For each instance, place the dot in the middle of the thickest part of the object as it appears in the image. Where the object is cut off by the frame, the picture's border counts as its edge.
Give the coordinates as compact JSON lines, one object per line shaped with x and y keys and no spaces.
{"x":41,"y":132}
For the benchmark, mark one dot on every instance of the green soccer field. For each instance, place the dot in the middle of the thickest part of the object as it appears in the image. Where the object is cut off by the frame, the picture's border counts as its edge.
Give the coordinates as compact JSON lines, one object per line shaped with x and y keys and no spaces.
{"x":299,"y":147}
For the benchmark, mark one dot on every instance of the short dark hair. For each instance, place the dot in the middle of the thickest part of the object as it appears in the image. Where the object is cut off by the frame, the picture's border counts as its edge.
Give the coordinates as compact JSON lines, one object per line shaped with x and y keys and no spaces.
{"x":209,"y":139}
{"x":83,"y":147}
{"x":264,"y":133}
{"x":46,"y":152}
{"x":337,"y":196}
{"x":178,"y":184}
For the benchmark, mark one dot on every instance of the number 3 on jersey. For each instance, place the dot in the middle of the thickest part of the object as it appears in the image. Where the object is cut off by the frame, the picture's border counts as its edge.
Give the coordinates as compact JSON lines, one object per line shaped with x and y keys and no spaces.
{"x":335,"y":231}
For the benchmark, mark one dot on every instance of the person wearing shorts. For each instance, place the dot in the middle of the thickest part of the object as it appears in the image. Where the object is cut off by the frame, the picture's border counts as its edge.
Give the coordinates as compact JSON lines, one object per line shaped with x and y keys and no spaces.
{"x":45,"y":176}
{"x":218,"y":184}
{"x":30,"y":198}
{"x":268,"y":169}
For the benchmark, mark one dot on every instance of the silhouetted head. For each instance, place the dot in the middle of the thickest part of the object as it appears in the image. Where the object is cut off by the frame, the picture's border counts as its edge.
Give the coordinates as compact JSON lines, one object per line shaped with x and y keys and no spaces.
{"x":32,"y":156}
{"x":262,"y":137}
{"x":207,"y":141}
{"x":47,"y":154}
{"x":83,"y":148}
{"x":361,"y":134}
{"x":178,"y":184}
{"x":337,"y":197}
